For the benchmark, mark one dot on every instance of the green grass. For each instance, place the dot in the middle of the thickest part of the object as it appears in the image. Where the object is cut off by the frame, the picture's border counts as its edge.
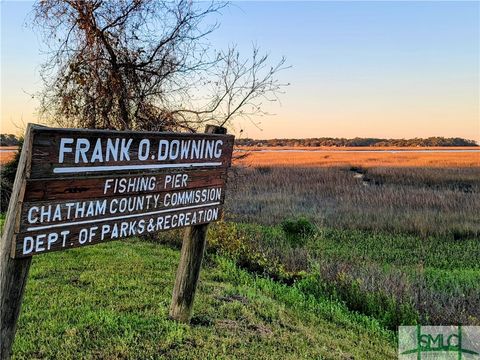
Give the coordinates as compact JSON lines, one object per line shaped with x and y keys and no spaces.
{"x":399,"y":250}
{"x":400,"y":279}
{"x":111,"y":301}
{"x":445,"y":264}
{"x":442,"y":260}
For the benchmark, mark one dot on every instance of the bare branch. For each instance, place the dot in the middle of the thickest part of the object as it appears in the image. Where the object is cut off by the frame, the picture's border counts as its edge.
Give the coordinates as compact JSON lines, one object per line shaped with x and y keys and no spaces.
{"x":146,"y":64}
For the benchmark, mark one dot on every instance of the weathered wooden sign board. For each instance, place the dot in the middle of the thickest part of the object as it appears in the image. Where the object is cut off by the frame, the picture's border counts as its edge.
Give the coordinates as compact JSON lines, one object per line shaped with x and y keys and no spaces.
{"x":78,"y":187}
{"x":86,"y":187}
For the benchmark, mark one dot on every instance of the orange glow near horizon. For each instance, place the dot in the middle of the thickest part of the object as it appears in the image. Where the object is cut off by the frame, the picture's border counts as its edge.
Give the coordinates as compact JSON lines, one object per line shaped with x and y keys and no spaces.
{"x":358,"y":69}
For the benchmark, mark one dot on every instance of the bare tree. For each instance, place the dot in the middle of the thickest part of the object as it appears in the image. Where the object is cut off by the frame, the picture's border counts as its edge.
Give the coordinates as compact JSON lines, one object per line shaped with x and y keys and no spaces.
{"x":145,"y":65}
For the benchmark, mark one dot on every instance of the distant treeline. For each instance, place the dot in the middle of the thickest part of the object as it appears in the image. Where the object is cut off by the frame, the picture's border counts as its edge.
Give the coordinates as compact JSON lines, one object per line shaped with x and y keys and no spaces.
{"x":12,"y":140}
{"x":342,"y":142}
{"x":9,"y":140}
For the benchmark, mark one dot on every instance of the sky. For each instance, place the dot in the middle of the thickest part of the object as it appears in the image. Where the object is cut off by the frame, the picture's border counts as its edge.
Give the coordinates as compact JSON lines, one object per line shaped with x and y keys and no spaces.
{"x":367,"y":69}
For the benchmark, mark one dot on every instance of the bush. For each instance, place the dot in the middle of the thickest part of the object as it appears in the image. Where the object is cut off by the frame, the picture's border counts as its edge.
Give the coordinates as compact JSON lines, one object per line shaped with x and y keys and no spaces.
{"x":298,"y":230}
{"x":228,"y":240}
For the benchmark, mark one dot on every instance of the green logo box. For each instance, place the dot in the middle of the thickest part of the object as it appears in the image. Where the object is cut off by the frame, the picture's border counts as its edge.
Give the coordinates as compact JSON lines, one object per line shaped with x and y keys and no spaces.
{"x":438,"y":342}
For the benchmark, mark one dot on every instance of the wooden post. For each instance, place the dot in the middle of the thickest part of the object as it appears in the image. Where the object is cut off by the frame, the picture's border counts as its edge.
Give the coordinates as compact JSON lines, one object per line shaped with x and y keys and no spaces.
{"x":13,"y":272}
{"x":188,"y":271}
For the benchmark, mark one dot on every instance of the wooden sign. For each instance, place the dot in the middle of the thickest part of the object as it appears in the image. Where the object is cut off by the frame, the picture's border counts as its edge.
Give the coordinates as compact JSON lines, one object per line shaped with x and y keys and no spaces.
{"x":87,"y":186}
{"x":83,"y":187}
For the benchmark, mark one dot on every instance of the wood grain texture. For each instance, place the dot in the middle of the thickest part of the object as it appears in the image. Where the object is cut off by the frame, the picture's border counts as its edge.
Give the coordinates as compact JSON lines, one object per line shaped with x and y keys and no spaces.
{"x":114,"y":206}
{"x":48,"y":190}
{"x":188,"y":272}
{"x":47,"y":142}
{"x":123,"y":227}
{"x":75,"y":188}
{"x":13,"y":272}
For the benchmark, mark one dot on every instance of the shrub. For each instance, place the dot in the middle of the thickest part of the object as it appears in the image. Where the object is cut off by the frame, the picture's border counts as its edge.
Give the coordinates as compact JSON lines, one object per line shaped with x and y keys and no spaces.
{"x":298,"y":230}
{"x":227,"y":239}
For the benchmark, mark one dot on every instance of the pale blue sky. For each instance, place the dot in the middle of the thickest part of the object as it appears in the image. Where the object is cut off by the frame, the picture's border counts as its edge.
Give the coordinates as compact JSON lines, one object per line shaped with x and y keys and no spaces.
{"x":382,"y":69}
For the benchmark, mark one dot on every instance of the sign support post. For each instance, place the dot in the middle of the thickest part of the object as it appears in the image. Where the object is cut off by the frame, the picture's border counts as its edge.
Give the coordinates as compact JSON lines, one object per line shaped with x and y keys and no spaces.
{"x":79,"y":187}
{"x":193,"y":247}
{"x":13,"y":272}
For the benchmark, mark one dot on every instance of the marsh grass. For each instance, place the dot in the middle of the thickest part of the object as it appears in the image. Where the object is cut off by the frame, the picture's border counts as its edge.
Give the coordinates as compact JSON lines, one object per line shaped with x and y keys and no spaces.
{"x":399,"y":244}
{"x":394,"y":157}
{"x":422,"y":201}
